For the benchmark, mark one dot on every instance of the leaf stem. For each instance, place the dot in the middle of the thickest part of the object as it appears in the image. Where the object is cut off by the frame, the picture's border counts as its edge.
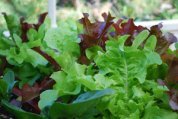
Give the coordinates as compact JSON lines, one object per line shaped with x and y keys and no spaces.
{"x":126,"y":76}
{"x":50,"y":59}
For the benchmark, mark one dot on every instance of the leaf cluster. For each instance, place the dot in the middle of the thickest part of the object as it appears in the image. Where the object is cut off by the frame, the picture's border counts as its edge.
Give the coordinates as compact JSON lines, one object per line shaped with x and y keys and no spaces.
{"x":106,"y":70}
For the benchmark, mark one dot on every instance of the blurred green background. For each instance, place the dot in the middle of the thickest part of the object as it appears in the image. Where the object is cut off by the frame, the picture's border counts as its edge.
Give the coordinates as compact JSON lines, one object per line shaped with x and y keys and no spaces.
{"x":140,"y":10}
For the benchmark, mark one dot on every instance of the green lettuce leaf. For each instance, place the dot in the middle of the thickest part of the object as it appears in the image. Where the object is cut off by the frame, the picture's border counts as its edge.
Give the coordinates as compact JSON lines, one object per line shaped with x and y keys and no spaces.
{"x":82,"y":106}
{"x":19,"y":113}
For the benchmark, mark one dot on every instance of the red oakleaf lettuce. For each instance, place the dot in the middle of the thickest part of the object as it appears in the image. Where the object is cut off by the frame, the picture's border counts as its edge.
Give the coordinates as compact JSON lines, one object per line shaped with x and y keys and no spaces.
{"x":171,"y":80}
{"x":163,"y":40}
{"x":26,"y":26}
{"x":30,"y":94}
{"x":97,"y":34}
{"x":94,"y":33}
{"x":127,"y":28}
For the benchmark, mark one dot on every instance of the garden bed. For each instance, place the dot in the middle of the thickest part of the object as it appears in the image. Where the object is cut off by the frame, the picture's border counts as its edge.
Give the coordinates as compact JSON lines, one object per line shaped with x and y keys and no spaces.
{"x":101,"y":69}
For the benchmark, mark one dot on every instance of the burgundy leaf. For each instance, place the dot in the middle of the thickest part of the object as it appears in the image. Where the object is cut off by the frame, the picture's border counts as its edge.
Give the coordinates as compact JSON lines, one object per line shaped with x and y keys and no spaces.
{"x":41,"y":20}
{"x":46,"y":83}
{"x":26,"y":26}
{"x":163,"y":40}
{"x":29,"y":93}
{"x":16,"y":91}
{"x":48,"y":58}
{"x":127,"y":28}
{"x":172,"y":61}
{"x":171,"y":80}
{"x":30,"y":97}
{"x":94,"y":33}
{"x":173,"y":72}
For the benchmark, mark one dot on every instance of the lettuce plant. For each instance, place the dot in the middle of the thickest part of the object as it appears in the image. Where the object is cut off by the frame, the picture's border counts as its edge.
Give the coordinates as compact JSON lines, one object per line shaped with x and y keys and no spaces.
{"x":106,"y":70}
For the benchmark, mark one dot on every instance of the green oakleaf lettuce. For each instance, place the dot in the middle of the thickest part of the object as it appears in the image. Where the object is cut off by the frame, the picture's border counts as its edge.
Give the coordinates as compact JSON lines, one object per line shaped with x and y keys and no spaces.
{"x":124,"y":68}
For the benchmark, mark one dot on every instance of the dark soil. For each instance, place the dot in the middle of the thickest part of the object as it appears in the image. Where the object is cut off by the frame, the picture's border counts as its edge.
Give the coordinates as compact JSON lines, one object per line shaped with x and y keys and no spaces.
{"x":4,"y":114}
